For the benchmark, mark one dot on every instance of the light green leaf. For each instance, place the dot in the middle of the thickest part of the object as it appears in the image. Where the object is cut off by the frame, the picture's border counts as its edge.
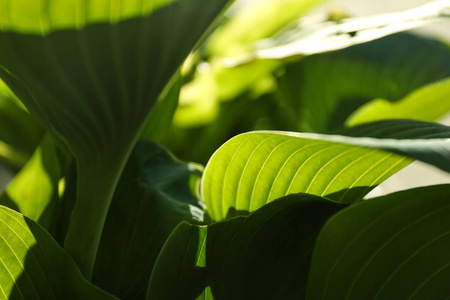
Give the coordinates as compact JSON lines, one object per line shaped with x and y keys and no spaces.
{"x":340,"y":82}
{"x":427,"y":103}
{"x":34,"y":267}
{"x":156,"y":192}
{"x":94,"y":83}
{"x":255,"y":168}
{"x":392,"y":247}
{"x":263,"y":256}
{"x":34,"y":190}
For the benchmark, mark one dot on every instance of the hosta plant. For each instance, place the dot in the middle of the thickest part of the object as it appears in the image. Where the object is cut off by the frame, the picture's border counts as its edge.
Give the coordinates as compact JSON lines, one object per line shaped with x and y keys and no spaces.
{"x":99,"y":210}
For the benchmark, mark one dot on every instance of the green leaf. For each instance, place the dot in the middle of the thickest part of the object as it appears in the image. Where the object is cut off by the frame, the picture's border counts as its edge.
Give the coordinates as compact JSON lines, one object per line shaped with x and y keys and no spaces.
{"x":162,"y":114}
{"x":427,"y":103}
{"x":34,"y":190}
{"x":156,"y":192}
{"x":255,"y":168}
{"x":33,"y":266}
{"x":91,"y":72}
{"x":263,"y":256}
{"x":19,"y":132}
{"x":340,"y":82}
{"x":392,"y":247}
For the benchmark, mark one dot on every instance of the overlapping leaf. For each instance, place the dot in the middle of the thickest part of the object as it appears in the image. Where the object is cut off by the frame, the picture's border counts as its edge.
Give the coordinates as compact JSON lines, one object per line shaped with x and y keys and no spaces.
{"x":323,"y":90}
{"x":91,"y":71}
{"x":20,"y":133}
{"x":392,"y":247}
{"x":33,"y":266}
{"x":263,"y":256}
{"x":255,"y":168}
{"x":34,"y":190}
{"x":156,"y":192}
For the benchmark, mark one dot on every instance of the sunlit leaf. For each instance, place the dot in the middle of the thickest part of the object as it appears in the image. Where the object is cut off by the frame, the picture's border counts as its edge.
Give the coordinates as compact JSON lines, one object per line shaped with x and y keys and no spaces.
{"x":34,"y":267}
{"x":392,"y":247}
{"x":91,"y":71}
{"x":156,"y":192}
{"x":428,"y":103}
{"x":34,"y":190}
{"x":263,"y":256}
{"x":255,"y":168}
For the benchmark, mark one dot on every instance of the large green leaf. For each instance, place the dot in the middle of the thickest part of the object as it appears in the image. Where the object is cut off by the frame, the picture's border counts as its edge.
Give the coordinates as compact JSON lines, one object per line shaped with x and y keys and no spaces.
{"x":91,"y":71}
{"x":156,"y":192}
{"x":34,"y":190}
{"x":323,"y":90}
{"x":263,"y":256}
{"x":392,"y":247}
{"x":255,"y":168}
{"x":33,"y":266}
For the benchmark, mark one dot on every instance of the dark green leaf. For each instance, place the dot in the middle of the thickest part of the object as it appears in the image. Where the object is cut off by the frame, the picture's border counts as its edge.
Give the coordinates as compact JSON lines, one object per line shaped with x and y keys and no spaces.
{"x":263,"y":256}
{"x":392,"y":247}
{"x":156,"y":192}
{"x":34,"y":267}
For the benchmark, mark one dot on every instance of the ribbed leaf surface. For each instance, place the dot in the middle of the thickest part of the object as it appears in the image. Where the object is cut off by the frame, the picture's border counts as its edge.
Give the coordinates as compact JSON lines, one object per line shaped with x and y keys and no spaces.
{"x":392,"y":247}
{"x":34,"y":267}
{"x":255,"y":168}
{"x":91,"y":71}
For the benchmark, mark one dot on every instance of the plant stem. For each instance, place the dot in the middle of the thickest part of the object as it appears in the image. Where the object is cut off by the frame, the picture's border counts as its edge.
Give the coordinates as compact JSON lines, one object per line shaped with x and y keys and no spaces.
{"x":96,"y":185}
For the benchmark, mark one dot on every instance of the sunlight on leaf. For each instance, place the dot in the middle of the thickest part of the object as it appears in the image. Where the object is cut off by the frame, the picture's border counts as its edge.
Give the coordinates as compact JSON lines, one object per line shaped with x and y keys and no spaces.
{"x":34,"y":267}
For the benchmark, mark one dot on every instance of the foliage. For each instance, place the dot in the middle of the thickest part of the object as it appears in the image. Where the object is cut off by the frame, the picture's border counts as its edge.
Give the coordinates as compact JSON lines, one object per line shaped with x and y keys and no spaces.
{"x":99,"y":209}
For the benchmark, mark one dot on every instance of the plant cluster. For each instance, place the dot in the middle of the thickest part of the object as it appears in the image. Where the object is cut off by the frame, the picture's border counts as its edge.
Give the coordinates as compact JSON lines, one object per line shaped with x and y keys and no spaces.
{"x":93,"y":93}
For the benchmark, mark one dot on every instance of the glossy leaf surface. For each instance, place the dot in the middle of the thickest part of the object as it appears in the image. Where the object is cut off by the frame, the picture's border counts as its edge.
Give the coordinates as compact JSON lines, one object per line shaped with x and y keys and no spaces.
{"x":156,"y":192}
{"x":33,"y":266}
{"x":265,"y":255}
{"x":392,"y":247}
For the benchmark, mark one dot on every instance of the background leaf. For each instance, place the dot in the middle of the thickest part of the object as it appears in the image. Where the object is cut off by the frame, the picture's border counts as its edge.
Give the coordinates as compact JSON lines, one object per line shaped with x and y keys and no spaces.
{"x":323,"y":90}
{"x":34,"y":190}
{"x":20,"y":133}
{"x":263,"y":256}
{"x":33,"y":266}
{"x":427,"y":103}
{"x":156,"y":192}
{"x":392,"y":247}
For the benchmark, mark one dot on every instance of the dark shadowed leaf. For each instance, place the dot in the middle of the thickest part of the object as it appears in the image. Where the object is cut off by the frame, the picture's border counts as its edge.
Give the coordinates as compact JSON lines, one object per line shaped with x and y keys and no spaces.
{"x":156,"y":192}
{"x":265,"y":255}
{"x":392,"y":247}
